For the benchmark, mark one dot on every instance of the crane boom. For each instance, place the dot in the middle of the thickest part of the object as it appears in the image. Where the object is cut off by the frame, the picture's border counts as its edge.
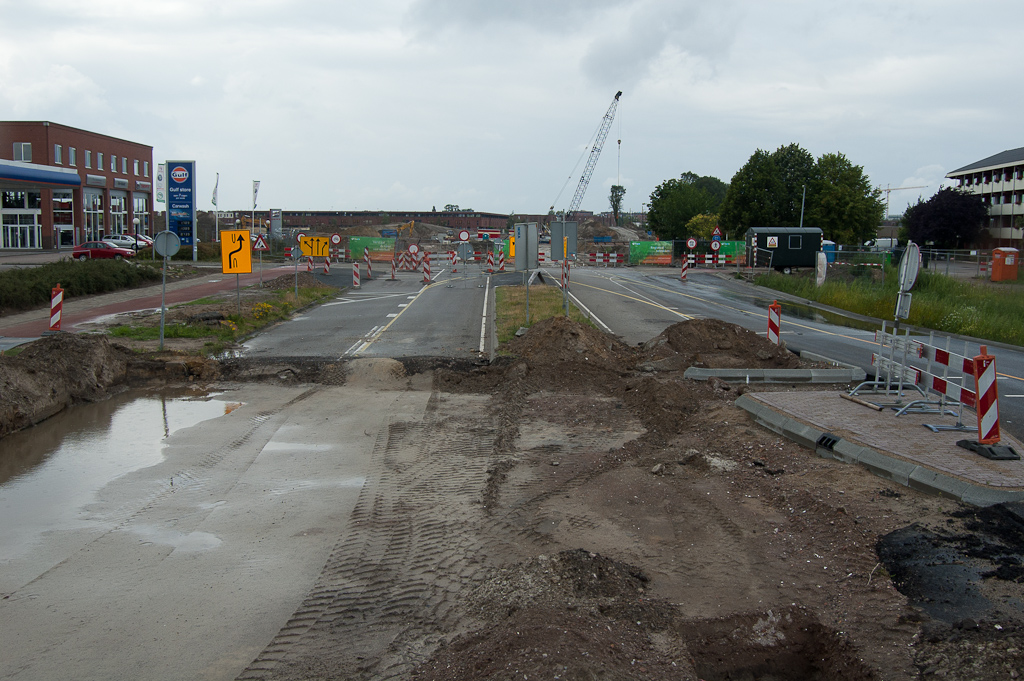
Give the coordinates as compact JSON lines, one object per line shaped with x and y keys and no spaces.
{"x":595,"y":153}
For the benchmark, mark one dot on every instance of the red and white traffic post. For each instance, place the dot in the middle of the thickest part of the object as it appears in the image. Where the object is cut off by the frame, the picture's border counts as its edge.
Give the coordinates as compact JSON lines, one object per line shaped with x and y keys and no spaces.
{"x":393,"y":269}
{"x":355,"y":275}
{"x":426,"y":269}
{"x":56,"y":307}
{"x":988,"y":397}
{"x":327,"y":265}
{"x":501,"y":258}
{"x":774,"y":321}
{"x":490,"y":262}
{"x":366,"y":259}
{"x":686,"y":265}
{"x":309,"y":265}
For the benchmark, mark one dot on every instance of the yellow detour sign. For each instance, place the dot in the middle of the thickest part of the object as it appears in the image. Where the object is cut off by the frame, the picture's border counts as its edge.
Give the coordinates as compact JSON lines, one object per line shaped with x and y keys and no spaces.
{"x":512,"y":245}
{"x":315,"y":246}
{"x":235,"y":253}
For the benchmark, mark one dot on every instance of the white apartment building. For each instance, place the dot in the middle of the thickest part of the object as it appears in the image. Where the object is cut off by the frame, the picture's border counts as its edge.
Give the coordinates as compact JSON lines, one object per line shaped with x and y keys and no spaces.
{"x":999,"y":180}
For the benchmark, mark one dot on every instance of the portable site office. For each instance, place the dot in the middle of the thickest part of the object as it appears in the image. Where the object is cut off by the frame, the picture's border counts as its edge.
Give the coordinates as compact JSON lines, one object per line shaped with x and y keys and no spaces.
{"x":783,"y":248}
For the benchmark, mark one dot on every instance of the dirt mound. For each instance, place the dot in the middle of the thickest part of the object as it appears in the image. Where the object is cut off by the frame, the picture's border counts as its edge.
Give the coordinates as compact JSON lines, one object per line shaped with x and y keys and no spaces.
{"x":560,"y":340}
{"x":718,"y":345}
{"x":287,"y":282}
{"x":55,"y":372}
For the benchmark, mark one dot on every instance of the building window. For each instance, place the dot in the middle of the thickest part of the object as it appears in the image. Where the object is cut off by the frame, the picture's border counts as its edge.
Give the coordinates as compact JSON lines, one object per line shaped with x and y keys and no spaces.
{"x":88,"y":159}
{"x":64,"y":217}
{"x":14,"y":200}
{"x":72,"y":160}
{"x":135,"y":167}
{"x":145,"y":168}
{"x":140,"y":208}
{"x":118,"y":214}
{"x":93,"y":217}
{"x":113,"y":163}
{"x":56,"y":154}
{"x":23,"y":151}
{"x":99,"y":160}
{"x":124,"y":165}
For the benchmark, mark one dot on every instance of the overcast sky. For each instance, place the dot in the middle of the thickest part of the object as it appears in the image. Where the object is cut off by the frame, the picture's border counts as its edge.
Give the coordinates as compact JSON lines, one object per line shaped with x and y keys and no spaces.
{"x":409,"y":104}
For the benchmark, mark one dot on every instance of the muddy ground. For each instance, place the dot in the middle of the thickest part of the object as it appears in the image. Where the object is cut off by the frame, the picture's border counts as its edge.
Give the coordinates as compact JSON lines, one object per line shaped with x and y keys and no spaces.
{"x":580,"y":511}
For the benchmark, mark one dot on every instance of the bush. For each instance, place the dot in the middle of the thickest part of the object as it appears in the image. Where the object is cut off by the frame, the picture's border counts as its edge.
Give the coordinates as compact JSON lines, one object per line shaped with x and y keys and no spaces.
{"x":30,"y":287}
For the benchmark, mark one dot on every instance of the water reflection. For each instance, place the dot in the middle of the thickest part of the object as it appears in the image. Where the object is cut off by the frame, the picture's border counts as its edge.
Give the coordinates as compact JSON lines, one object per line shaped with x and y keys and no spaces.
{"x":49,"y":472}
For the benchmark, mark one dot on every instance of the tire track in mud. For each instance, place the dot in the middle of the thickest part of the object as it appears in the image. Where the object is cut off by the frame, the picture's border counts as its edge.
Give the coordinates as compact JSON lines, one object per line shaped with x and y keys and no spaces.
{"x":387,"y":593}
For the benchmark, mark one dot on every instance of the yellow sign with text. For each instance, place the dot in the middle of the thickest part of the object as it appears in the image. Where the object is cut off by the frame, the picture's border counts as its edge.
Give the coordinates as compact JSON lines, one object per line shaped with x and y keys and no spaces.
{"x":235,"y":251}
{"x":315,"y":246}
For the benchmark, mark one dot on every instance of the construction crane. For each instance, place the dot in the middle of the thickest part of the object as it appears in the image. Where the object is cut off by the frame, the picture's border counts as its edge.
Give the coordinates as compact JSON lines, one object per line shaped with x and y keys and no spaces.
{"x":889,"y":190}
{"x":595,"y":153}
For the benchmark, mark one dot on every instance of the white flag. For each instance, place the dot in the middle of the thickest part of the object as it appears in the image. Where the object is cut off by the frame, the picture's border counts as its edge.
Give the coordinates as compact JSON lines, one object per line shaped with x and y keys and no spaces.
{"x":215,"y":189}
{"x":255,"y":191}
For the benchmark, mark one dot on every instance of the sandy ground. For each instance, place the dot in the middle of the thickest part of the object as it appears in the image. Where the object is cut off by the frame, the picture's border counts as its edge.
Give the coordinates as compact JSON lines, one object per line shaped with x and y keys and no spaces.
{"x":579,"y":511}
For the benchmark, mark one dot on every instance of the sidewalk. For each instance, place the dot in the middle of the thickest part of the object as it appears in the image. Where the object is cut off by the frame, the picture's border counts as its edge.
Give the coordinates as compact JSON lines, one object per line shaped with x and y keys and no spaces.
{"x":23,"y":327}
{"x":900,"y":448}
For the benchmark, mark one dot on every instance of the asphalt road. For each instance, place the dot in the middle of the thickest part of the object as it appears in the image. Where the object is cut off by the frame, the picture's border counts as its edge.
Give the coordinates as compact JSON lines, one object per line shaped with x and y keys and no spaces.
{"x":638,"y":303}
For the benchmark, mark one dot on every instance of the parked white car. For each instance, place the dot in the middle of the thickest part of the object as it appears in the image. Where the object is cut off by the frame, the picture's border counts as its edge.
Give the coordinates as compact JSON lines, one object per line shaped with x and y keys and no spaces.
{"x":121,"y":240}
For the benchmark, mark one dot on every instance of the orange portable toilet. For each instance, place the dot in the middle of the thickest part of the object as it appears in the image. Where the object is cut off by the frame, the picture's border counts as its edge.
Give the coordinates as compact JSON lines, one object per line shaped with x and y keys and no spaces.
{"x":1004,"y":264}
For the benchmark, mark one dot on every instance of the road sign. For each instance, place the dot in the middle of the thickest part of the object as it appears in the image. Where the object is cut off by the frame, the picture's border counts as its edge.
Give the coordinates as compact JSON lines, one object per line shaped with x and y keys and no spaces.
{"x":773,"y":242}
{"x":300,"y":236}
{"x":315,"y":246}
{"x":335,"y":239}
{"x":414,"y":249}
{"x":260,"y":244}
{"x":166,"y":244}
{"x":715,"y":245}
{"x":463,"y":235}
{"x":235,"y":253}
{"x":716,"y":234}
{"x":691,"y":243}
{"x":909,"y":264}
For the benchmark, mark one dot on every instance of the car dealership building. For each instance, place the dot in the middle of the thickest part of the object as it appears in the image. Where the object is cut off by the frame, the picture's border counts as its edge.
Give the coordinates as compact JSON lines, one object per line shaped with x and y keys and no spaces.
{"x":61,"y":186}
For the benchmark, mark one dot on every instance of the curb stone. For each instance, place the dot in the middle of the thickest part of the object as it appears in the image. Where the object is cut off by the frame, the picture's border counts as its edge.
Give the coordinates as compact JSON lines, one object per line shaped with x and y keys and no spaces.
{"x":902,"y":472}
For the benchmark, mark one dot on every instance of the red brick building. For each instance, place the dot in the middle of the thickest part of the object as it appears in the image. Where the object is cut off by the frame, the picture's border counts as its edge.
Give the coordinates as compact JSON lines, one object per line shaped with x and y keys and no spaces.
{"x":61,"y":186}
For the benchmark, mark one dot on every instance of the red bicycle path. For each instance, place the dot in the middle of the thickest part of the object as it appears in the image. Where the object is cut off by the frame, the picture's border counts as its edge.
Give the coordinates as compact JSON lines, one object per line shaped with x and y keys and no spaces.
{"x":146,"y":300}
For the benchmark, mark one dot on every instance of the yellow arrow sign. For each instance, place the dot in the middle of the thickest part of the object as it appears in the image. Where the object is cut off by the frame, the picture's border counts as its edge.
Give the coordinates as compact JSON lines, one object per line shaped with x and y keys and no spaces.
{"x":235,"y":255}
{"x":315,"y":246}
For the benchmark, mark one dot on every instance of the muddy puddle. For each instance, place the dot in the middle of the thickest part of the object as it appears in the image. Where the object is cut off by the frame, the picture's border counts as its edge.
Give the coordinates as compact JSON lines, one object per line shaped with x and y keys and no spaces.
{"x":50,"y":472}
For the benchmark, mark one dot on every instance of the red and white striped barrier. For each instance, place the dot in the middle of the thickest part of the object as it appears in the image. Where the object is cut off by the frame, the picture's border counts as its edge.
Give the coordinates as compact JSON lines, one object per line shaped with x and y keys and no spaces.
{"x":453,"y":261}
{"x":501,"y":261}
{"x":774,"y":321}
{"x":490,"y":262}
{"x":426,"y":271}
{"x":309,"y":265}
{"x":686,"y":266}
{"x":56,"y":307}
{"x":355,"y":275}
{"x":393,"y":278}
{"x":988,"y":397}
{"x":327,"y":265}
{"x":288,"y":252}
{"x":366,"y":259}
{"x":605,"y":258}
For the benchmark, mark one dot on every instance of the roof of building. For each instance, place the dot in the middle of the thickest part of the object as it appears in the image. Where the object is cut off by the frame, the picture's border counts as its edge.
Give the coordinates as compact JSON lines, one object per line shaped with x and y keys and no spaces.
{"x":1003,"y":158}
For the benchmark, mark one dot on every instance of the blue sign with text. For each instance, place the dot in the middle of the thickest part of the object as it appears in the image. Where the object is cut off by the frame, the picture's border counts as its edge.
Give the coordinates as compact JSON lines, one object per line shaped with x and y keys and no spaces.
{"x":181,"y":200}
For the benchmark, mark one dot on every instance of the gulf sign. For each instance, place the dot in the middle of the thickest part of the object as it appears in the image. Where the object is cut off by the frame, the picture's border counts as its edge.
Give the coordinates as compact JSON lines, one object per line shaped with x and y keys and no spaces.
{"x":179,"y":174}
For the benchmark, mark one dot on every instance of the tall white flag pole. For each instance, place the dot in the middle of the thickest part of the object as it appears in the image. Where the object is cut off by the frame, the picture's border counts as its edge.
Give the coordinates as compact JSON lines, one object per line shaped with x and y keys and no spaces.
{"x":216,"y":211}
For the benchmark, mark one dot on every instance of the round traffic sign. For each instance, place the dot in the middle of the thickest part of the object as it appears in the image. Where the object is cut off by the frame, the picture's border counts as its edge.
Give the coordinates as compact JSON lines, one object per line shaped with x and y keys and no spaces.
{"x":414,"y":249}
{"x":335,"y":239}
{"x":691,"y":243}
{"x":909,"y":265}
{"x":300,"y":236}
{"x":715,"y":245}
{"x":463,"y":235}
{"x":166,"y":244}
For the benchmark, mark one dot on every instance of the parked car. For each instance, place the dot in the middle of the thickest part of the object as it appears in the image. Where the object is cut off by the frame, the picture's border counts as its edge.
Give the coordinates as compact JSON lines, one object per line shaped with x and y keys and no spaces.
{"x":121,"y":240}
{"x":143,"y":241}
{"x":101,"y":249}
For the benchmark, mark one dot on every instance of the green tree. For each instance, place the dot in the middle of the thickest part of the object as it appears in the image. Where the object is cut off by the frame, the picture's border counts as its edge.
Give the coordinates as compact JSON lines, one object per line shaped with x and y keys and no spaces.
{"x":754,"y":195}
{"x":841,"y":201}
{"x":701,"y":226}
{"x":949,"y":219}
{"x":675,"y":202}
{"x":615,"y":198}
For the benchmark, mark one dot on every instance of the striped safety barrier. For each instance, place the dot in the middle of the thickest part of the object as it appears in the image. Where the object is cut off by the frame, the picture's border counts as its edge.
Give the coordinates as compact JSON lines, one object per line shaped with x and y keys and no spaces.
{"x":366,"y":259}
{"x":685,"y":266}
{"x":426,"y":271}
{"x":501,"y":261}
{"x":56,"y":307}
{"x":327,"y":265}
{"x":393,"y":278}
{"x":309,"y":265}
{"x":774,"y":321}
{"x":355,"y":275}
{"x":606,"y":258}
{"x":490,"y":262}
{"x":988,"y":397}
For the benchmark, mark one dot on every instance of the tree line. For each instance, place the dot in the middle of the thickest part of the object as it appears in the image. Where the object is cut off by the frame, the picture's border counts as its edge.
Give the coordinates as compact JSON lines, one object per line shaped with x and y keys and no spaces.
{"x":789,"y":187}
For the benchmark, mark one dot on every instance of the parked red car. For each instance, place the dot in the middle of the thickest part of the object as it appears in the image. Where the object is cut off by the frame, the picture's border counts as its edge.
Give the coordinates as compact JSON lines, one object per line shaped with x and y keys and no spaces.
{"x":101,"y":249}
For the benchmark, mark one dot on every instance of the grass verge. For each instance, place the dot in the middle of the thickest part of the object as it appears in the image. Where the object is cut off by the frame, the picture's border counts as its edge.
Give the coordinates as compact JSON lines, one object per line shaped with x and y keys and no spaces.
{"x":222,"y":334}
{"x":545,"y":301}
{"x":939,"y":302}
